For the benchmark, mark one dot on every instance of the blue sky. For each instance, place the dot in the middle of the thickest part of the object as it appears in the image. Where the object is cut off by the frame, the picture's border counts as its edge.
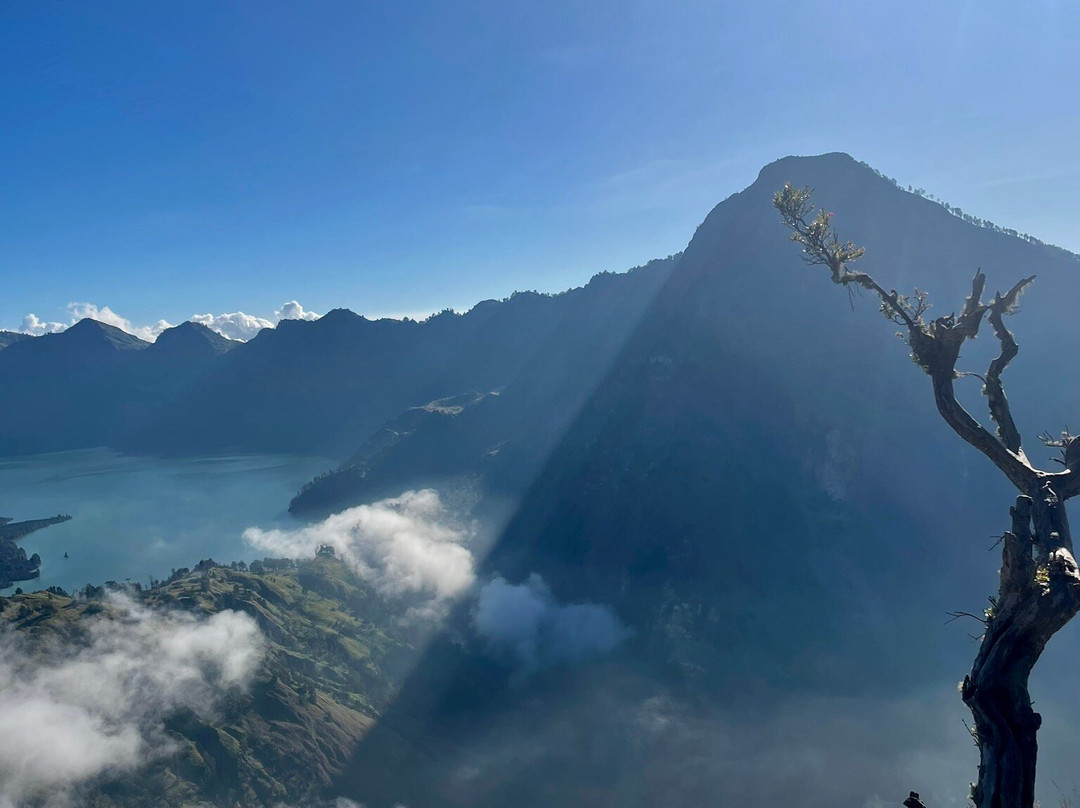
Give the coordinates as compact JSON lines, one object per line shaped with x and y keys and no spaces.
{"x":169,"y":158}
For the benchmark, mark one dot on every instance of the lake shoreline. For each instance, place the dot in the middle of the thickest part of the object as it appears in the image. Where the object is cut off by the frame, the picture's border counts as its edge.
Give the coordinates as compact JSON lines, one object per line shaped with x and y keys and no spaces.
{"x":14,"y":564}
{"x":137,"y":517}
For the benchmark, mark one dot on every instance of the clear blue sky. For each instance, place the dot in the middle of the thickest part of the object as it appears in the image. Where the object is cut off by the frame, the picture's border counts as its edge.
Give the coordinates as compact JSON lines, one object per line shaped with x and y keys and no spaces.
{"x":167,"y":158}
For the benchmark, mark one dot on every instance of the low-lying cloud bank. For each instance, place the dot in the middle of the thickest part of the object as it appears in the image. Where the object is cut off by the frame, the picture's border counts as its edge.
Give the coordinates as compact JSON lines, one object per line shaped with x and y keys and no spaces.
{"x":526,"y":621}
{"x":417,"y":555}
{"x":409,"y":548}
{"x":69,"y":714}
{"x":236,"y":325}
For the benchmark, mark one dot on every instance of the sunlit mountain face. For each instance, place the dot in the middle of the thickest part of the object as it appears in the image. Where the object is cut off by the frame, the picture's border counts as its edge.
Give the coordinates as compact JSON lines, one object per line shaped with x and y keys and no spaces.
{"x":688,"y":534}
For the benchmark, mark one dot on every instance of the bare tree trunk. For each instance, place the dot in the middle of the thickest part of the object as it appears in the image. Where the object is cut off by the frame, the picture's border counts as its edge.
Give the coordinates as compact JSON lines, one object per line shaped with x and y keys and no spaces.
{"x":1039,"y":593}
{"x":1040,"y":584}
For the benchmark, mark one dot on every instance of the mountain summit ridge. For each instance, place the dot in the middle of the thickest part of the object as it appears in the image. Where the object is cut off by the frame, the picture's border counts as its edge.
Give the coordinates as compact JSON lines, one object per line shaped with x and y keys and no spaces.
{"x":192,"y":338}
{"x":347,"y":375}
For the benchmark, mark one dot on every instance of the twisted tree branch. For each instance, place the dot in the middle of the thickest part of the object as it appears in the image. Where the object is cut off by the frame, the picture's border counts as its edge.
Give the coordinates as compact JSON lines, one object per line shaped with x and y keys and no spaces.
{"x":992,"y":385}
{"x":935,"y":346}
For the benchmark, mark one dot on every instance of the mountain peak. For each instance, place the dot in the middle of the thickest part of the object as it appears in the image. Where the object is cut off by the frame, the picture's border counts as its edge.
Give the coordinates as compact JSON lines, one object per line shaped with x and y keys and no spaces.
{"x":341,"y":315}
{"x":830,"y":160}
{"x":836,"y":167}
{"x":193,"y":338}
{"x":333,"y":320}
{"x":91,"y":332}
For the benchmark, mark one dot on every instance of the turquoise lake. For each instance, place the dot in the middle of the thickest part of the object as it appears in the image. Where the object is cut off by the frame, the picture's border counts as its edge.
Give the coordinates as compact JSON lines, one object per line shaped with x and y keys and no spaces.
{"x":136,"y":516}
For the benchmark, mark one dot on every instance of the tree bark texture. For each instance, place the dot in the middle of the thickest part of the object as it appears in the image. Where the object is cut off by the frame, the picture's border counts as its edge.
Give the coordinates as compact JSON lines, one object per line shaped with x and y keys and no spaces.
{"x":1039,"y":593}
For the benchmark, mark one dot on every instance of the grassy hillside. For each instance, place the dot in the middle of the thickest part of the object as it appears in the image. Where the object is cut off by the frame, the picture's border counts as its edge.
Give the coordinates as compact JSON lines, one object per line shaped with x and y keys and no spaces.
{"x":330,"y":668}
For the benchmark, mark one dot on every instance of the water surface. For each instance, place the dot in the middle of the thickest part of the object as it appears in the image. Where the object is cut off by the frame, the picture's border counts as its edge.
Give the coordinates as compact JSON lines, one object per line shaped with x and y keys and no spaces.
{"x":136,"y":516}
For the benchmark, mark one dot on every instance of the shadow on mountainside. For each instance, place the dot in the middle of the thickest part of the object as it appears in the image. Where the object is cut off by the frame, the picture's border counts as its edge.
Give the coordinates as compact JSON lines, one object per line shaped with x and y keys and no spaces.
{"x":762,"y":491}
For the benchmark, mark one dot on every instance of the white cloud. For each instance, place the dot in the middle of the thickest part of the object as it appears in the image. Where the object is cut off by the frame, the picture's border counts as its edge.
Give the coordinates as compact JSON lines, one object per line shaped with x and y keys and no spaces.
{"x":408,"y":548}
{"x":31,"y":324}
{"x":526,"y":620}
{"x":294,"y":311}
{"x":88,"y":311}
{"x":68,"y":714}
{"x":236,"y":325}
{"x":240,"y":326}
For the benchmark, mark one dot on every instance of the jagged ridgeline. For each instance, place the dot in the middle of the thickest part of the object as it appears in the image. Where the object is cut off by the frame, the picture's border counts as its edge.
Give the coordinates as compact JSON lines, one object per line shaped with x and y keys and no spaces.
{"x":316,"y":388}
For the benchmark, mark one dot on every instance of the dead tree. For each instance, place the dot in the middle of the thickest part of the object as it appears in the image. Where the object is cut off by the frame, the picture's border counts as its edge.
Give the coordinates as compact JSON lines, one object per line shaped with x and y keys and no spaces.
{"x":1040,"y":586}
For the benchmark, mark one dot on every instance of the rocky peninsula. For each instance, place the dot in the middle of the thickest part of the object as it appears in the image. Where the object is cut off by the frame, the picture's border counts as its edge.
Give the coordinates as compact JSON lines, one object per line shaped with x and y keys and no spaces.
{"x":14,"y":565}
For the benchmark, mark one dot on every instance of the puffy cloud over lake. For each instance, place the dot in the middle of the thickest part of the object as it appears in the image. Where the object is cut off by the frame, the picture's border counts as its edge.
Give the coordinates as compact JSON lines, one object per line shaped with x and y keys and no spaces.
{"x":409,"y":548}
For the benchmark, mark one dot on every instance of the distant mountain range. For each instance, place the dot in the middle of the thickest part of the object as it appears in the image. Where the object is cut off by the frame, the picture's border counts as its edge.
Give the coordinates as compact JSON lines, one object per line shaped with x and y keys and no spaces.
{"x":93,"y":383}
{"x":306,"y":387}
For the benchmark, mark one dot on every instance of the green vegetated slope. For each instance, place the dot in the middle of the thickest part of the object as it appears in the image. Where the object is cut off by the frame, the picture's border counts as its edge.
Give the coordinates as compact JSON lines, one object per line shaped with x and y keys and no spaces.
{"x":329,"y":669}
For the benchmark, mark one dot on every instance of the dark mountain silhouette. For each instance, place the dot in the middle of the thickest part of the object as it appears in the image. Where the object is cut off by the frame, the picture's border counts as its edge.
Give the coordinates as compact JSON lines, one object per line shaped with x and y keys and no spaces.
{"x":502,"y":439}
{"x":754,"y":399}
{"x":307,"y":387}
{"x":763,"y":491}
{"x":191,"y":340}
{"x":326,"y":386}
{"x":86,"y":340}
{"x":65,"y":388}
